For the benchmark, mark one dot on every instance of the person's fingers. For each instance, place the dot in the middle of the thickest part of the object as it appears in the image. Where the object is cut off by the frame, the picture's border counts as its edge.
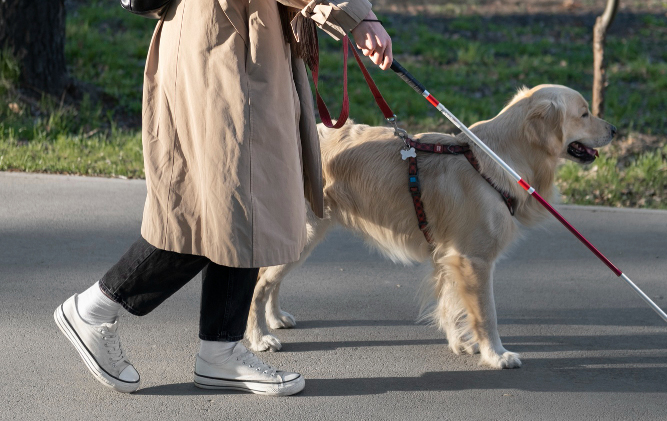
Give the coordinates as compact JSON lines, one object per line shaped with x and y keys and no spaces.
{"x":370,"y":42}
{"x":379,"y":53}
{"x":388,"y":58}
{"x":377,"y":57}
{"x":385,"y":63}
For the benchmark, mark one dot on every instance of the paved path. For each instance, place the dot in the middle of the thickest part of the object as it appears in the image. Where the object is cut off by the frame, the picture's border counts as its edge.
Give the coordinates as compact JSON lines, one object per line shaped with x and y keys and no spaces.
{"x":591,"y":348}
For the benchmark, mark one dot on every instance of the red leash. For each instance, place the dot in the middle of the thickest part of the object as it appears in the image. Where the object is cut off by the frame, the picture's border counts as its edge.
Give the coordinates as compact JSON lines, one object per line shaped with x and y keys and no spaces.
{"x":345,"y":110}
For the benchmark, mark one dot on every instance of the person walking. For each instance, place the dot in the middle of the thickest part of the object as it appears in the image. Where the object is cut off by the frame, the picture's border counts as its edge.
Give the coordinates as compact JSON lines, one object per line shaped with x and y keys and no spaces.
{"x":230,"y":149}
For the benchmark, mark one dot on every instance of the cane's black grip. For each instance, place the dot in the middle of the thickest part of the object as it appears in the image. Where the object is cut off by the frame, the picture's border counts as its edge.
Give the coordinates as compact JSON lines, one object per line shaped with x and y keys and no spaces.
{"x":407,"y":77}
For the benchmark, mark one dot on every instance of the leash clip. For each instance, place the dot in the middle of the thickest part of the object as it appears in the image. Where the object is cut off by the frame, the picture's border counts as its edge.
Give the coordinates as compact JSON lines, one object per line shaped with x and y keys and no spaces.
{"x":399,"y":132}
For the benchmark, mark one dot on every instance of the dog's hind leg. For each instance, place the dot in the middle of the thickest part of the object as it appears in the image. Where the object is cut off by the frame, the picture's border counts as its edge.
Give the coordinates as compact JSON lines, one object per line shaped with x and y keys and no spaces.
{"x":265,"y":309}
{"x":475,"y":287}
{"x":449,"y":313}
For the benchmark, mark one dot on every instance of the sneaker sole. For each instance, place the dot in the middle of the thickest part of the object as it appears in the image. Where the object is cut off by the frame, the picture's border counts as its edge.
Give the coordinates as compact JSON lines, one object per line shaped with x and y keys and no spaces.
{"x":92,"y":365}
{"x":293,"y":387}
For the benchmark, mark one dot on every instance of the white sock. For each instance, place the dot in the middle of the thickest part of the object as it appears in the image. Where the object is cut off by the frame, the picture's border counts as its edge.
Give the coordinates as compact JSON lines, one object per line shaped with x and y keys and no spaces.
{"x":216,"y":352}
{"x":96,"y":308}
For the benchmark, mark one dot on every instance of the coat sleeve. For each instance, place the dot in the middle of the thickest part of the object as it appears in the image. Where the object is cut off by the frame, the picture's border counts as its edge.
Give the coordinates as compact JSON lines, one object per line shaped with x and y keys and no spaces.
{"x":335,"y":17}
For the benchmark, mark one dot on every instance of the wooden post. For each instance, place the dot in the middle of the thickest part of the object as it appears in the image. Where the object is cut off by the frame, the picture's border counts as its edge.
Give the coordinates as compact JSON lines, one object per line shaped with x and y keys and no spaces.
{"x":602,"y":23}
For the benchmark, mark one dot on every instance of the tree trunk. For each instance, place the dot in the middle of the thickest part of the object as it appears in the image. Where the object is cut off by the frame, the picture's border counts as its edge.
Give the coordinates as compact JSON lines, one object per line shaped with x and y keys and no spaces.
{"x":34,"y":31}
{"x":599,"y":77}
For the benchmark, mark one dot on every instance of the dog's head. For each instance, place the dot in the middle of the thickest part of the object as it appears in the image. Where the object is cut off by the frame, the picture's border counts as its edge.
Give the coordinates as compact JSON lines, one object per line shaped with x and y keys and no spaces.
{"x":558,"y":120}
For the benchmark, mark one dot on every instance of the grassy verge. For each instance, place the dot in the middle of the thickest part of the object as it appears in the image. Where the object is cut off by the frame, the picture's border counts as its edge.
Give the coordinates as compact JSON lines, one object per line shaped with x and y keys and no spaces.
{"x":106,"y":47}
{"x":474,"y":64}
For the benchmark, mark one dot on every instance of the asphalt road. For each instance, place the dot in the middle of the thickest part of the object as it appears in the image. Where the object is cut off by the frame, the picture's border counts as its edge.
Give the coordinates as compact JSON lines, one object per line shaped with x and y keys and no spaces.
{"x":591,"y":348}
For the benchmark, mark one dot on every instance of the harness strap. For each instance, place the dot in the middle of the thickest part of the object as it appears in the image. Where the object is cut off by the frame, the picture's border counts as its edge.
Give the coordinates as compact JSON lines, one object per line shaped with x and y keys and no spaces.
{"x":507,"y":198}
{"x":415,"y":186}
{"x":470,"y":156}
{"x":415,"y":191}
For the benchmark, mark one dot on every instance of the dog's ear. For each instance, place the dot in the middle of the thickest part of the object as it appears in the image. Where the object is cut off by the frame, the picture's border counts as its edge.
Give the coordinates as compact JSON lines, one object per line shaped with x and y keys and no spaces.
{"x":544,"y":121}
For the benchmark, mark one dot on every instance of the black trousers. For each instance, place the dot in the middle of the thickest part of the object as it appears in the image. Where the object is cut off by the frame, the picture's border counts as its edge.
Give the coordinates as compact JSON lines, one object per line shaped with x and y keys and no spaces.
{"x":146,"y":276}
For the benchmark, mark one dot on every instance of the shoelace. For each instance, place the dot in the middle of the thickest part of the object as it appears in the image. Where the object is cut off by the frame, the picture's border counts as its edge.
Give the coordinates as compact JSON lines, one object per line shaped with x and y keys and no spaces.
{"x":112,"y":343}
{"x":253,"y":361}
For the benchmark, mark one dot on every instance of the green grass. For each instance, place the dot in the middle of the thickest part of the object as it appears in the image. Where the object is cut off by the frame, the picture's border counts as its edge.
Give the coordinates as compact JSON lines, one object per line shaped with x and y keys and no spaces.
{"x":107,"y":46}
{"x":641,"y":184}
{"x":77,"y":155}
{"x":471,"y":63}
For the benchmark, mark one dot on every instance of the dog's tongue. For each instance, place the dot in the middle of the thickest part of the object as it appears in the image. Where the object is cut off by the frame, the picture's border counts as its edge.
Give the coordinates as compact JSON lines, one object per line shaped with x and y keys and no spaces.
{"x":591,"y":151}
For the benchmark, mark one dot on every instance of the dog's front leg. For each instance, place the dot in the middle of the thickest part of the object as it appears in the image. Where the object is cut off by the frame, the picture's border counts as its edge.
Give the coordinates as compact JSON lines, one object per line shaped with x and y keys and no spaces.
{"x":275,"y":316}
{"x":476,"y":291}
{"x":257,"y":331}
{"x":265,"y":309}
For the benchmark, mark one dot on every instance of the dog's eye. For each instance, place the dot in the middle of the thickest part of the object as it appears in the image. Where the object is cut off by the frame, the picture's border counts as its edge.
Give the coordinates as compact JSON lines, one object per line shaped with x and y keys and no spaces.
{"x":585,"y":115}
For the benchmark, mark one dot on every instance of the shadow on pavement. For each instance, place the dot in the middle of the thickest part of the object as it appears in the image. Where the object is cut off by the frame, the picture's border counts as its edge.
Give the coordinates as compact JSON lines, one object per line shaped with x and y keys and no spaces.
{"x":316,"y":324}
{"x":639,"y":316}
{"x":552,"y":375}
{"x":514,"y":343}
{"x":563,"y":379}
{"x":330,"y":346}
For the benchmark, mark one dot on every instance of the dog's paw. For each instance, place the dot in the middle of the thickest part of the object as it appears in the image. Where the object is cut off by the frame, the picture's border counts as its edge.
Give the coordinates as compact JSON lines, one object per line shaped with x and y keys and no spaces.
{"x":283,"y":320}
{"x":268,"y":343}
{"x":505,"y":360}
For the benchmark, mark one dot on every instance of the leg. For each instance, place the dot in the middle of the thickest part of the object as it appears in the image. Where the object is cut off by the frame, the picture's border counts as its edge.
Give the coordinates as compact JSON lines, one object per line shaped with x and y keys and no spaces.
{"x":449,"y":313}
{"x":225,"y":302}
{"x":142,"y":279}
{"x":266,"y":304}
{"x":474,"y":285}
{"x":146,"y":276}
{"x":226,"y":296}
{"x":276,"y":318}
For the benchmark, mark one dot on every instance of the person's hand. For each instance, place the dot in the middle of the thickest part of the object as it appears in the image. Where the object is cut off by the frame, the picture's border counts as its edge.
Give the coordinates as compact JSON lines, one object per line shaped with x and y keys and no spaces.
{"x":374,"y":41}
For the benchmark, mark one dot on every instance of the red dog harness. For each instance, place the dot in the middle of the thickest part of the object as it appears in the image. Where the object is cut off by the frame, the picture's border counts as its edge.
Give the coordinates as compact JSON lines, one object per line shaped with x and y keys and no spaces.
{"x":415,"y":187}
{"x":410,"y":145}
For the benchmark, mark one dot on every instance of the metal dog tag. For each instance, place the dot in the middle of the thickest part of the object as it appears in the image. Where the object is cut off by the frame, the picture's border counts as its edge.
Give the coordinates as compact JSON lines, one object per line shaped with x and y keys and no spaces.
{"x":410,"y":153}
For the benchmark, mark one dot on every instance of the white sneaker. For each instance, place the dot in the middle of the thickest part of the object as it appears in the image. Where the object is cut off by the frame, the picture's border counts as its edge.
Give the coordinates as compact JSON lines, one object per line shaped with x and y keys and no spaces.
{"x":99,"y":348}
{"x":245,"y":371}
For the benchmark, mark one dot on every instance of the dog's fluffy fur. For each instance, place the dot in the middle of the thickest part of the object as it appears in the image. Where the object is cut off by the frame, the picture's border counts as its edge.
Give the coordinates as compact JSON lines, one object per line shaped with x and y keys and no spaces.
{"x":366,"y":191}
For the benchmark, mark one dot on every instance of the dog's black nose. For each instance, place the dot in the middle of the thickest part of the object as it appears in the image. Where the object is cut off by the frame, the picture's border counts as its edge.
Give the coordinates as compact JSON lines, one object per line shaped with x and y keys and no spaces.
{"x":613,"y":131}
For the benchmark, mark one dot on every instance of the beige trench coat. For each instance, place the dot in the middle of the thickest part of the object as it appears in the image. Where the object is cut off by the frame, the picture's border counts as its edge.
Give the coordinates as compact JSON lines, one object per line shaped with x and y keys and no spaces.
{"x":229,"y":136}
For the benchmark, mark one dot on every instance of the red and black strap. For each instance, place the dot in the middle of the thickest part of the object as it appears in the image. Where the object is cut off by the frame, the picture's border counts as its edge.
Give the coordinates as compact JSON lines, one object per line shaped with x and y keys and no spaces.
{"x":415,"y":191}
{"x":470,"y":156}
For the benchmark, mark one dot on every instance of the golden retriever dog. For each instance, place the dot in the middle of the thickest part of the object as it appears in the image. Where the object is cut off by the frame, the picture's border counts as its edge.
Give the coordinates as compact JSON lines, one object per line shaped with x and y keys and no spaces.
{"x":469,"y":223}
